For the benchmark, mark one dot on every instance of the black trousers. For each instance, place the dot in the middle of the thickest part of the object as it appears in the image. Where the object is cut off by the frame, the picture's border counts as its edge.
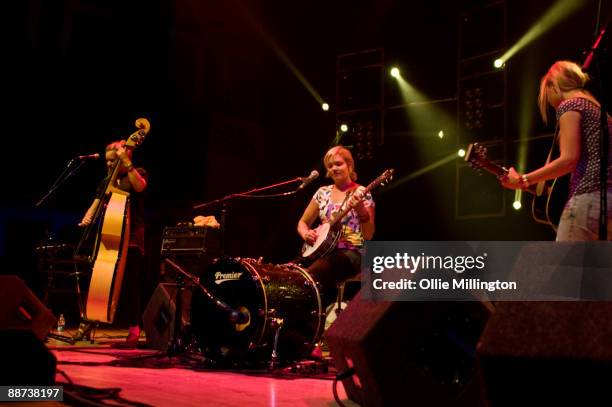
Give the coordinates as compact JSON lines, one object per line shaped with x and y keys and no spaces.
{"x":132,"y":292}
{"x":332,"y":269}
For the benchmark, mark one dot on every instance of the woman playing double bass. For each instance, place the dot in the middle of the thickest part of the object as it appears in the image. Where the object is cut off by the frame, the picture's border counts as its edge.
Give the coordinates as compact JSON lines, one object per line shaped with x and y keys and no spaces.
{"x":133,"y":180}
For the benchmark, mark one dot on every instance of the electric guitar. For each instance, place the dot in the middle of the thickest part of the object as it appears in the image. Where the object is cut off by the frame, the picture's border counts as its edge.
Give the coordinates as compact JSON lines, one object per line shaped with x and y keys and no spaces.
{"x":548,"y":196}
{"x":329,"y":233}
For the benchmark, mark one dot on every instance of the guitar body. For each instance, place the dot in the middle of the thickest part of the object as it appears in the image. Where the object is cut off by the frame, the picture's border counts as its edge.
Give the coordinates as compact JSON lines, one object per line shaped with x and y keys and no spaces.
{"x":329,"y":233}
{"x":548,"y":197}
{"x":327,"y":238}
{"x":549,"y":200}
{"x":110,"y":259}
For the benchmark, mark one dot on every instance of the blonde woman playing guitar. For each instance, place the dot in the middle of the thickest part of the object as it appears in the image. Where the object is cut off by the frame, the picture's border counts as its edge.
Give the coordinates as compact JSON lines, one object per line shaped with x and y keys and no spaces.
{"x":578,"y":118}
{"x":344,"y":260}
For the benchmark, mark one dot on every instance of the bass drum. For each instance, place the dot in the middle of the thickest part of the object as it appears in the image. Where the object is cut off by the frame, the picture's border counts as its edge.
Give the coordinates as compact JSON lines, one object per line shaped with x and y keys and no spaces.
{"x":282,"y":303}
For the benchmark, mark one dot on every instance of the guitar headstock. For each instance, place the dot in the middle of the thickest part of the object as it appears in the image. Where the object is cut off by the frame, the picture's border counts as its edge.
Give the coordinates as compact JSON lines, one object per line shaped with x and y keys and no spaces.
{"x":386,"y":176}
{"x":476,"y":156}
{"x":382,"y":179}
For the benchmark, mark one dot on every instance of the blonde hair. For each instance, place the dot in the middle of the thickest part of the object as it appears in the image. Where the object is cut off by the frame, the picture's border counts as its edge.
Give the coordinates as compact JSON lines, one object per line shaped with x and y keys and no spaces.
{"x":564,"y":75}
{"x":346,"y":156}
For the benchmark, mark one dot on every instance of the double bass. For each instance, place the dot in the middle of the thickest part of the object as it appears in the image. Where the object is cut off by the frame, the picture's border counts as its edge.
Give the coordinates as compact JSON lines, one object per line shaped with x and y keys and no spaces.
{"x":112,"y":217}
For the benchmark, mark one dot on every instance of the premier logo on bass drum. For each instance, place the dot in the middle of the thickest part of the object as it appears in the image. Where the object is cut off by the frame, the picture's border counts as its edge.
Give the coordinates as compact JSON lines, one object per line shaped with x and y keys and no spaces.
{"x":223,"y":277}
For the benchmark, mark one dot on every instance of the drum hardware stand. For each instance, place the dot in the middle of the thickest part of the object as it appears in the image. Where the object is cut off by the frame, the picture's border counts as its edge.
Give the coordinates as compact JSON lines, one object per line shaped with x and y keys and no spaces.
{"x":177,"y":346}
{"x":278,"y":323}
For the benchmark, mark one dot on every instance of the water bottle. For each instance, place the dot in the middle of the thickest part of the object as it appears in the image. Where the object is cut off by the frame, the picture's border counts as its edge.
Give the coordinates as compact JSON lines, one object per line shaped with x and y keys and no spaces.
{"x":61,"y":323}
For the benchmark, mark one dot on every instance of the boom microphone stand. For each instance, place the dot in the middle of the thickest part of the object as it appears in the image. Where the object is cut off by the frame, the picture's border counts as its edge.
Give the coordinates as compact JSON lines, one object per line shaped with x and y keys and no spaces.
{"x":253,"y":194}
{"x":596,"y":55}
{"x":61,"y":179}
{"x":177,"y":346}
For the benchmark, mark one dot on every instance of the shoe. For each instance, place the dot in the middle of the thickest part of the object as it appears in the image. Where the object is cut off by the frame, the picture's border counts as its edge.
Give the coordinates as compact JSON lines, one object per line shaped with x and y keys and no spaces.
{"x":133,"y":335}
{"x":84,"y":332}
{"x":131,"y":341}
{"x":317,"y":352}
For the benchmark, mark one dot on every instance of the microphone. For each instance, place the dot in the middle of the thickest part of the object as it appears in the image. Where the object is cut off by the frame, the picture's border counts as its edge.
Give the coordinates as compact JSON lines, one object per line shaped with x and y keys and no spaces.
{"x":305,"y":181}
{"x":95,"y":156}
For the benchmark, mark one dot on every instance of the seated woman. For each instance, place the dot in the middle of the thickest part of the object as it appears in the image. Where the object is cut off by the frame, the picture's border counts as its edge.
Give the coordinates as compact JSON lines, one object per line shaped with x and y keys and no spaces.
{"x":357,"y":226}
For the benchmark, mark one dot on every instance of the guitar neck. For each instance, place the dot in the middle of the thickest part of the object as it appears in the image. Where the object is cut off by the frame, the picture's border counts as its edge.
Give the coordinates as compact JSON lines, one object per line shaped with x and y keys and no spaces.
{"x":382,"y":179}
{"x":499,"y":170}
{"x":493,"y":168}
{"x":340,"y":215}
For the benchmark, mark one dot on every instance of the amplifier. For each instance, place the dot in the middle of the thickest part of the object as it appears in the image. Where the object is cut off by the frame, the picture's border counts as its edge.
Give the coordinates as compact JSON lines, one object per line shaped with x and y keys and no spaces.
{"x":189,"y":240}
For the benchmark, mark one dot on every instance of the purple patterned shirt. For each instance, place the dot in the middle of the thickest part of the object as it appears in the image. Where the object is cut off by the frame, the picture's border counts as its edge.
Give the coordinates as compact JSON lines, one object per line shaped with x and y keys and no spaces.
{"x":585,"y":177}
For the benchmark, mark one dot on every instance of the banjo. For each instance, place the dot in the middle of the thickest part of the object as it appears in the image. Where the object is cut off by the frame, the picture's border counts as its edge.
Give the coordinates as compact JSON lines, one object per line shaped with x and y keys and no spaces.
{"x":329,"y":233}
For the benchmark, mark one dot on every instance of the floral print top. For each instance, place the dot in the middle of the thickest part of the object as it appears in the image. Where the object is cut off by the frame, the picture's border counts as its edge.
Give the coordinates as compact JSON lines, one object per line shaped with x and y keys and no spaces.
{"x":351,"y":238}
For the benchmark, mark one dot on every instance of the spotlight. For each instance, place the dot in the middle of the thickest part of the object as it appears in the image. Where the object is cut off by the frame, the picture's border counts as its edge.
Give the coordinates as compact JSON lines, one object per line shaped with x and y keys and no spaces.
{"x":344,"y":127}
{"x":498,"y":63}
{"x":441,"y":134}
{"x":395,"y":72}
{"x":461,"y":152}
{"x":325,"y":107}
{"x":517,"y":205}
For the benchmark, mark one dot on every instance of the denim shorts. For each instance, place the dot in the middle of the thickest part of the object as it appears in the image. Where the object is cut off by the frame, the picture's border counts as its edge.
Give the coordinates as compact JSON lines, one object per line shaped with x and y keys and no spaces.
{"x":580,"y":218}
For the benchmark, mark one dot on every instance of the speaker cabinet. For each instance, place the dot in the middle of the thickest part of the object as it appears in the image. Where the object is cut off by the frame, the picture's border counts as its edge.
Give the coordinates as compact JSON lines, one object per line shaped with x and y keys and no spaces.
{"x":159,"y":315}
{"x":24,"y":324}
{"x":26,"y":361}
{"x":547,"y":353}
{"x":409,"y":353}
{"x":21,"y":309}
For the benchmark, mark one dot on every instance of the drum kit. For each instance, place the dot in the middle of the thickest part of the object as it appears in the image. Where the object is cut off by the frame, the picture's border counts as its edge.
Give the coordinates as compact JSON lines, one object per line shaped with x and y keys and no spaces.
{"x":280,"y":308}
{"x":246,"y":311}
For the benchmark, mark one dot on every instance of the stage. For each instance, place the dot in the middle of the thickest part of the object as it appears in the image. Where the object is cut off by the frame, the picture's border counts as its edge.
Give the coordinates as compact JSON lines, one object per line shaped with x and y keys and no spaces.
{"x":164,"y":381}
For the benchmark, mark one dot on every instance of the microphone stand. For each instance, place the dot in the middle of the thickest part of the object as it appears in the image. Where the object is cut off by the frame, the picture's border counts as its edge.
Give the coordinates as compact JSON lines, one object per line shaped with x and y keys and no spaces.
{"x":604,"y":142}
{"x":59,"y":181}
{"x":247,"y":194}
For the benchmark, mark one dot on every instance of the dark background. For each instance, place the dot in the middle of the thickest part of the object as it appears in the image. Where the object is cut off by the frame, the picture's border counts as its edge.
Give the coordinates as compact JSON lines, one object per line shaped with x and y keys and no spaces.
{"x":227,"y":115}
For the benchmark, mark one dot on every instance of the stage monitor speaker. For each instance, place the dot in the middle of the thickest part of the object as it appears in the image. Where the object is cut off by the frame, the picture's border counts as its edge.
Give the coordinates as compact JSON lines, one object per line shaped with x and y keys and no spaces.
{"x":159,"y":315}
{"x":409,"y":353}
{"x":547,"y":353}
{"x":21,"y":309}
{"x":24,"y":324}
{"x":26,"y":361}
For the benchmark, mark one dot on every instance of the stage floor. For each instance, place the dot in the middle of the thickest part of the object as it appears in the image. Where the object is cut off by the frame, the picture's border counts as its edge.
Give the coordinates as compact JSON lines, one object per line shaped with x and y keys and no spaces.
{"x":177,"y":382}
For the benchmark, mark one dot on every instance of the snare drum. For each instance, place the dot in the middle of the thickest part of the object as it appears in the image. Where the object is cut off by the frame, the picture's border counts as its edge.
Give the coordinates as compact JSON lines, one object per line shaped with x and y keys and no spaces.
{"x":282,"y":303}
